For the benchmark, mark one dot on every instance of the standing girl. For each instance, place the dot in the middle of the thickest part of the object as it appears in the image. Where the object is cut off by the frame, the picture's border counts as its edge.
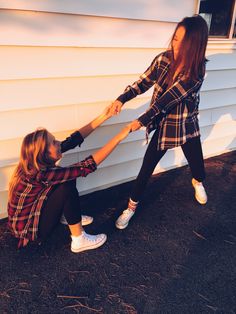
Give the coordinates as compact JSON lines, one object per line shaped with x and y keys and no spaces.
{"x":40,"y":192}
{"x":177,"y":75}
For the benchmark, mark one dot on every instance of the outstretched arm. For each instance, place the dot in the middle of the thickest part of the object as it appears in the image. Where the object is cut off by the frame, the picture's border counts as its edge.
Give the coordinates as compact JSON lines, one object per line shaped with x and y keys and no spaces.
{"x":56,"y":175}
{"x":91,"y":126}
{"x":146,"y":81}
{"x":77,"y":138}
{"x":103,"y":152}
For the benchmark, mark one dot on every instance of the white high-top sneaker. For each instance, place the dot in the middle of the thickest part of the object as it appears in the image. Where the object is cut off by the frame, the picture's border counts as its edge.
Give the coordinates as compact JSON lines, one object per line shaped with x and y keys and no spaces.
{"x":87,"y":241}
{"x":123,"y":220}
{"x":200,"y":193}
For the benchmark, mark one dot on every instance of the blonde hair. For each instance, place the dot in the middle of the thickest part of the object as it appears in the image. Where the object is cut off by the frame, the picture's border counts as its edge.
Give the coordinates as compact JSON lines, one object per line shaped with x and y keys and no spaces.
{"x":33,"y":157}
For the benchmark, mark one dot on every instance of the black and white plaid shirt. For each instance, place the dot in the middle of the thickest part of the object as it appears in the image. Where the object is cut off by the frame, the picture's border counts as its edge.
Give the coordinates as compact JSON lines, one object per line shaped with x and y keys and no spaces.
{"x":173,"y":111}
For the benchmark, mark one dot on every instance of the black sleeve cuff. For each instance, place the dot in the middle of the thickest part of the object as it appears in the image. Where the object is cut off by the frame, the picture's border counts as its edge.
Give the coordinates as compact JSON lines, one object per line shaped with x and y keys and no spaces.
{"x":121,"y":98}
{"x":126,"y":96}
{"x":144,"y":120}
{"x":75,"y":139}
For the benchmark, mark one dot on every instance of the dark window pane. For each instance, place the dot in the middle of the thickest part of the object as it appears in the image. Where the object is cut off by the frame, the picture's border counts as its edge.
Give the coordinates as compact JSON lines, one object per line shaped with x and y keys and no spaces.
{"x":218,"y":14}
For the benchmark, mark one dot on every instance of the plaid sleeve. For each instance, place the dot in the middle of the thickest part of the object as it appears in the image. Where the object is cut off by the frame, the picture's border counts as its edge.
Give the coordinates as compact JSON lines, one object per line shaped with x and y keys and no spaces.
{"x":58,"y":175}
{"x":72,"y":141}
{"x":174,"y":95}
{"x":146,"y":81}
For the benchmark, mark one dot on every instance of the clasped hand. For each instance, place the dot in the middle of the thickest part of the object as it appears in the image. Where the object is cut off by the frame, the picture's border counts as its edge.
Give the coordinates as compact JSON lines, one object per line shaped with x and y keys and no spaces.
{"x":135,"y":125}
{"x":131,"y":127}
{"x":114,"y":109}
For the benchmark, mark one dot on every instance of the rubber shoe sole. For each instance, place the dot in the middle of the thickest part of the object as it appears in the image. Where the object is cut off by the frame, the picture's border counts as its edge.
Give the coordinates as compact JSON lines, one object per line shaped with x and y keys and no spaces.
{"x":199,"y":200}
{"x":121,"y":227}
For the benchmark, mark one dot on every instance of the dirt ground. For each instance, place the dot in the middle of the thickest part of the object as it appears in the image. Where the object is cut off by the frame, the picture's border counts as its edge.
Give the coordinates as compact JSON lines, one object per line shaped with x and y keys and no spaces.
{"x":176,"y":256}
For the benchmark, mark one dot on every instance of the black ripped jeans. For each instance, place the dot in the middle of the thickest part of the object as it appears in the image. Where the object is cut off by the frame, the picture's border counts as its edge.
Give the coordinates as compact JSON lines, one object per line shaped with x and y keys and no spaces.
{"x":192,"y":150}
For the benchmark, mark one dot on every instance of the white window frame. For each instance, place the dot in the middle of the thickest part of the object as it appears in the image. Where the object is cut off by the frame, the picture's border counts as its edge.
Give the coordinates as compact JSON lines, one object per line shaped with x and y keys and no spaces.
{"x":233,"y":21}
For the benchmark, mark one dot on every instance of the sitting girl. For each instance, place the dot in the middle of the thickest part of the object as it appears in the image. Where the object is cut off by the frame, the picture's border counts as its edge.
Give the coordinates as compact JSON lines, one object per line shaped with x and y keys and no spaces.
{"x":40,"y":192}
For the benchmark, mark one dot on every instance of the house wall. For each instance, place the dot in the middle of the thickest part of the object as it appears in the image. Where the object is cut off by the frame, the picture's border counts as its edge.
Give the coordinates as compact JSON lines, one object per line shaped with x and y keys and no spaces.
{"x":62,"y":64}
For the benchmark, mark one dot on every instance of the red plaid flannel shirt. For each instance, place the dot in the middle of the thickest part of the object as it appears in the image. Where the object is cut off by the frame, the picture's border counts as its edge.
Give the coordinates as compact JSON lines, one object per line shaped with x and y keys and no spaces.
{"x":29,"y":195}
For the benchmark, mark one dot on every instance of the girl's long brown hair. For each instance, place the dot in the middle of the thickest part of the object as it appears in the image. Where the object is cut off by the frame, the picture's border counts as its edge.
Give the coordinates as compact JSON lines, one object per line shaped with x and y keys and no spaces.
{"x":33,"y":157}
{"x":191,"y":57}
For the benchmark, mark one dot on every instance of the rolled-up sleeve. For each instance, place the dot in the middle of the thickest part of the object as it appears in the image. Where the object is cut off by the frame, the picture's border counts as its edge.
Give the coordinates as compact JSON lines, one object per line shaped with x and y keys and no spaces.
{"x":58,"y":175}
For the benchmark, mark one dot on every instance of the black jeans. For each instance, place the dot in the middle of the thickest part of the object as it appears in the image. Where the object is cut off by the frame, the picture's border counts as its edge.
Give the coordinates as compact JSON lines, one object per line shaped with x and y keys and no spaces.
{"x":63,"y":199}
{"x":192,"y":150}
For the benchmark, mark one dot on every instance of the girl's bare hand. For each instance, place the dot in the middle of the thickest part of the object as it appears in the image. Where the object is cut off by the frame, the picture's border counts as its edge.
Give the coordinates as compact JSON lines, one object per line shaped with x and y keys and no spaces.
{"x":135,"y":125}
{"x":125,"y":131}
{"x":108,"y":112}
{"x":116,"y":107}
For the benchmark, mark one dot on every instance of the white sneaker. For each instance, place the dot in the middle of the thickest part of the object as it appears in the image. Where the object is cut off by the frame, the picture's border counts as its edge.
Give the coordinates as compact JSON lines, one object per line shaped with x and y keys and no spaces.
{"x":85,"y":220}
{"x":200,"y":193}
{"x":123,"y":221}
{"x":87,"y":242}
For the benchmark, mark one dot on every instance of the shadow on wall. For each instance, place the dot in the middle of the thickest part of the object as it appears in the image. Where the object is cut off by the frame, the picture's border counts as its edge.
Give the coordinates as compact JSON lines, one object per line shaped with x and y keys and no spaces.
{"x":78,"y":30}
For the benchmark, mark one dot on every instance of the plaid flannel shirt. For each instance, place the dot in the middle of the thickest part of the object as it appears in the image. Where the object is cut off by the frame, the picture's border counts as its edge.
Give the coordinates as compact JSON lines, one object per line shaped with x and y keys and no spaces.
{"x":173,"y":111}
{"x":29,"y":195}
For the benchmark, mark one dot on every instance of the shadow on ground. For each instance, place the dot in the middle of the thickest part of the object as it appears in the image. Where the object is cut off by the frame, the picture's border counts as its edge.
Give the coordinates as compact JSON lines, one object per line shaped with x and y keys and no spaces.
{"x":176,"y":256}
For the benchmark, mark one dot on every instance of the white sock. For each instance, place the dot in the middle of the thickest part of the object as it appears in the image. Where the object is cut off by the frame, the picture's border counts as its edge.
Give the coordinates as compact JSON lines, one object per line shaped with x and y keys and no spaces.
{"x":77,"y":238}
{"x":132,"y":205}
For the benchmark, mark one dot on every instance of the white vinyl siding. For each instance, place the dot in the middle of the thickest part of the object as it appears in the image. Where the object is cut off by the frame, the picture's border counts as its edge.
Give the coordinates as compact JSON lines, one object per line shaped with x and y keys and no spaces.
{"x":160,"y":10}
{"x":52,"y":29}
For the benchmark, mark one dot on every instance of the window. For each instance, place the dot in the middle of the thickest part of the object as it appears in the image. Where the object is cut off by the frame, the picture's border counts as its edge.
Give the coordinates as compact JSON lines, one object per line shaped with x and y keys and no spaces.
{"x":220,"y":17}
